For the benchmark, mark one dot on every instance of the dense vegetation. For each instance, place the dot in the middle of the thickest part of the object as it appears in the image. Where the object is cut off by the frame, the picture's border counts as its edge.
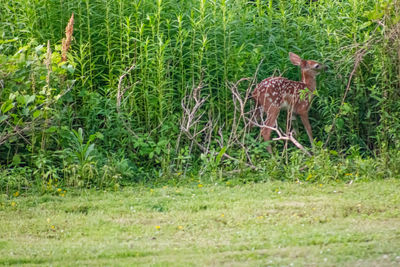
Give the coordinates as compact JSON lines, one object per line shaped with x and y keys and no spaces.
{"x":112,"y":112}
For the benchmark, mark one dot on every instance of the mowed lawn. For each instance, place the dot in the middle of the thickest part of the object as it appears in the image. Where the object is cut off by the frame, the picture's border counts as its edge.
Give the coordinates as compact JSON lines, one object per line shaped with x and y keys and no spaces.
{"x":263,"y":224}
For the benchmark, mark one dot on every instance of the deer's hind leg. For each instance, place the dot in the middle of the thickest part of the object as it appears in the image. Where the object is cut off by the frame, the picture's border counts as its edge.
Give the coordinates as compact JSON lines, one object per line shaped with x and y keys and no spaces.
{"x":272,"y":115}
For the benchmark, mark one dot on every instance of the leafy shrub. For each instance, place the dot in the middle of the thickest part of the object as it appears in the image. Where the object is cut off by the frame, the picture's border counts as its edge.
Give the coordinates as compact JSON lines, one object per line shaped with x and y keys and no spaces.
{"x":172,"y":47}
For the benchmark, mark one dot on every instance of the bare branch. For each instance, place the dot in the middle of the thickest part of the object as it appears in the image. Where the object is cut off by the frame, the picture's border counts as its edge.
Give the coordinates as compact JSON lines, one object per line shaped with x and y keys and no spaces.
{"x":191,"y":118}
{"x":119,"y":93}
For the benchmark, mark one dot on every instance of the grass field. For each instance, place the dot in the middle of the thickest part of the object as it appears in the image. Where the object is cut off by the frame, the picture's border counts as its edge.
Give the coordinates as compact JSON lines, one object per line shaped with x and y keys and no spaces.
{"x":264,"y":224}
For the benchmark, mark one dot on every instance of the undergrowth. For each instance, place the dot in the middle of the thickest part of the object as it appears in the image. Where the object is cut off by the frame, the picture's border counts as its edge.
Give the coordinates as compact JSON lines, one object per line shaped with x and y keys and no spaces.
{"x":111,"y":113}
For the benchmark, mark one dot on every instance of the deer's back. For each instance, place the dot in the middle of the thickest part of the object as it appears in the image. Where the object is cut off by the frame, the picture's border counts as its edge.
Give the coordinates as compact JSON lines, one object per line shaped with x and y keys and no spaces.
{"x":279,"y":92}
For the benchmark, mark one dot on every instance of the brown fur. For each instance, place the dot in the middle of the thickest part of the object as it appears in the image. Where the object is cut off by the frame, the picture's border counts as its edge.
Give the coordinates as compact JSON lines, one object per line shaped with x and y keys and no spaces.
{"x":273,"y":93}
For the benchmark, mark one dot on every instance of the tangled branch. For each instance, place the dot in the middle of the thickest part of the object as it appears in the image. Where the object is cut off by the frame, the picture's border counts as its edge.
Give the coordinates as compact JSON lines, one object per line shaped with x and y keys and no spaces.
{"x":191,"y":118}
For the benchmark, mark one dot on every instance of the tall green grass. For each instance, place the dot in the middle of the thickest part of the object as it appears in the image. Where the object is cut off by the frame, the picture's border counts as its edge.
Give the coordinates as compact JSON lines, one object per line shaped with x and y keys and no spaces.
{"x":177,"y":44}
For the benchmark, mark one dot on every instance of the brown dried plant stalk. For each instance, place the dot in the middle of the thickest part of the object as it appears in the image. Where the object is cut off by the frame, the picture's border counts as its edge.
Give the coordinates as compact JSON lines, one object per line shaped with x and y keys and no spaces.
{"x":66,"y":42}
{"x":48,"y":64}
{"x":48,"y":67}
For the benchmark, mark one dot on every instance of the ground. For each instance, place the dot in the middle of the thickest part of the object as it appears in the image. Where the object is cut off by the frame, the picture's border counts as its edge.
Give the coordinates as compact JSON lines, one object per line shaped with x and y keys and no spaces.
{"x":262,"y":224}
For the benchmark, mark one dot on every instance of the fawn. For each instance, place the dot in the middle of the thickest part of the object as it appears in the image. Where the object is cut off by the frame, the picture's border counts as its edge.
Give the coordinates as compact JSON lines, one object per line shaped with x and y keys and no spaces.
{"x":275,"y":93}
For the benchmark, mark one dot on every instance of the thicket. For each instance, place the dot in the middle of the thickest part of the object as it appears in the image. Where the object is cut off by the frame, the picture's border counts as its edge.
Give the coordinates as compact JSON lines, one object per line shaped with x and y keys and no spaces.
{"x":117,"y":111}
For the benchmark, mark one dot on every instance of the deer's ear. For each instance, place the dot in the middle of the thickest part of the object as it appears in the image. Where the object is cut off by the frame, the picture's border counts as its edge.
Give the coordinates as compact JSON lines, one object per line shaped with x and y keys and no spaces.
{"x":295,"y":59}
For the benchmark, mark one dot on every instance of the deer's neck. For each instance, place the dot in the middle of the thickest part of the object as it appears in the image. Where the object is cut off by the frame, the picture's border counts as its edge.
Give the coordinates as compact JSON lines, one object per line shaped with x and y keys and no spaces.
{"x":309,"y":80}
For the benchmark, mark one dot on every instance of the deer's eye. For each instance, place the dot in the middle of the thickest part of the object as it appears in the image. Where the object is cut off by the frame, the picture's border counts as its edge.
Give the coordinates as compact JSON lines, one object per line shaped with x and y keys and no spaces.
{"x":316,"y":66}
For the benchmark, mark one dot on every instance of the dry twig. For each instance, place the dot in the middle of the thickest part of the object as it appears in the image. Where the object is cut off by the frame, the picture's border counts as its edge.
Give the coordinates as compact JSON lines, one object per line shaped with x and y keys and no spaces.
{"x":120,"y":94}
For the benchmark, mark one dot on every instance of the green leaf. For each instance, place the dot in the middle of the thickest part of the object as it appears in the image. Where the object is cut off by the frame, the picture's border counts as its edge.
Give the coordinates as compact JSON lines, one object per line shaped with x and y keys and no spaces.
{"x":100,"y":136}
{"x":333,"y":152}
{"x":220,"y":154}
{"x":328,"y":128}
{"x":79,"y":135}
{"x":8,"y":41}
{"x":89,"y":150}
{"x":346,"y":109}
{"x":30,"y":99}
{"x":340,"y":123}
{"x":21,"y":100}
{"x":39,"y":48}
{"x":365,"y":25}
{"x":58,"y":47}
{"x":3,"y":118}
{"x":13,"y":95}
{"x":36,"y":114}
{"x":93,"y":137}
{"x":16,"y":160}
{"x":52,"y":129}
{"x":7,"y":106}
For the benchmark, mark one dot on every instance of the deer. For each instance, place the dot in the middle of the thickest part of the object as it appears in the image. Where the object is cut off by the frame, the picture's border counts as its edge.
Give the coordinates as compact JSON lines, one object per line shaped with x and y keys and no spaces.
{"x":275,"y":93}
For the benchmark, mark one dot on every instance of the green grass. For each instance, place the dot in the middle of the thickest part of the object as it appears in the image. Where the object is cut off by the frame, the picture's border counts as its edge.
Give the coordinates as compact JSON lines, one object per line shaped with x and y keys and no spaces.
{"x":274,"y":223}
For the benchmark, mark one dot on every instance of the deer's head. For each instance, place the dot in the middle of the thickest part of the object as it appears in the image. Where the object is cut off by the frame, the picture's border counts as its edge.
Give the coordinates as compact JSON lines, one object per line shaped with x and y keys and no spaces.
{"x":310,"y":67}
